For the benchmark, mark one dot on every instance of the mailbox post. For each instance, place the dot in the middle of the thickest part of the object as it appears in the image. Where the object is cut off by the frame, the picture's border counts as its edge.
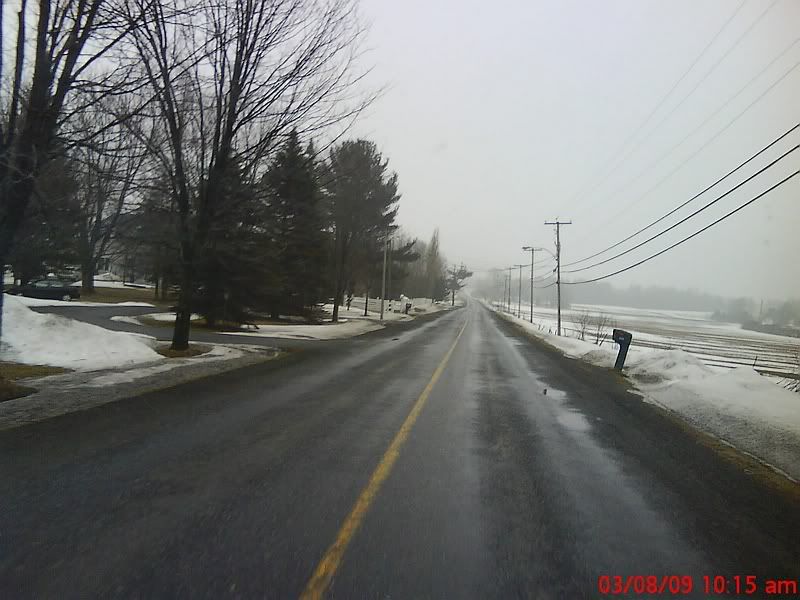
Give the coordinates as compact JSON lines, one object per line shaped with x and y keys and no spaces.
{"x":623,"y":338}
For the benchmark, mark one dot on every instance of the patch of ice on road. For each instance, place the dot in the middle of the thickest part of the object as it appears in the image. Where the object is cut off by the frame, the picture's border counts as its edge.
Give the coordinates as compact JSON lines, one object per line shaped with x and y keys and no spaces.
{"x":47,"y":339}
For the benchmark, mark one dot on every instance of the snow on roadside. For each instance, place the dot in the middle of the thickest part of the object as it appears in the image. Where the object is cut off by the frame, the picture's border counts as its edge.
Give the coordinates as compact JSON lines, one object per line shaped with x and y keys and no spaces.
{"x":217,"y":352}
{"x":47,"y":339}
{"x":736,"y":405}
{"x":125,"y":319}
{"x":168,"y":317}
{"x":42,"y":302}
{"x":327,"y":331}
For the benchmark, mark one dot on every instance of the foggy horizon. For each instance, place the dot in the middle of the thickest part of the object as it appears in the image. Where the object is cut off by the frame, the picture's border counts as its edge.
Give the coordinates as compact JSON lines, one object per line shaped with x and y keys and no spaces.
{"x":497,"y":121}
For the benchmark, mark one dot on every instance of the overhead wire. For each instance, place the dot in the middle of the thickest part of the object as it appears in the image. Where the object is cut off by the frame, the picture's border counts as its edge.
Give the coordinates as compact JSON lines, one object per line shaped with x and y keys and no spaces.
{"x":686,"y":202}
{"x":696,"y":152}
{"x":615,"y":157}
{"x":690,"y":216}
{"x":689,"y":237}
{"x":699,"y":83}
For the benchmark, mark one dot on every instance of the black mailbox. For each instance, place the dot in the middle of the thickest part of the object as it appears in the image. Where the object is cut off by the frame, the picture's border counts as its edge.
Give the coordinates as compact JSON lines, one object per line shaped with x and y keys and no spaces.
{"x":623,"y":338}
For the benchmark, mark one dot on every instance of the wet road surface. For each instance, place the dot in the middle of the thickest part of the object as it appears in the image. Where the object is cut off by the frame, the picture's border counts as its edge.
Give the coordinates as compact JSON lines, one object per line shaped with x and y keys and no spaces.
{"x":522,"y":475}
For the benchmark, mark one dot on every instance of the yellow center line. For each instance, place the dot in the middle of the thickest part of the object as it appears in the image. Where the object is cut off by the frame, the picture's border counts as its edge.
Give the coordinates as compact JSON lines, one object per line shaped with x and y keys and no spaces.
{"x":327,"y":567}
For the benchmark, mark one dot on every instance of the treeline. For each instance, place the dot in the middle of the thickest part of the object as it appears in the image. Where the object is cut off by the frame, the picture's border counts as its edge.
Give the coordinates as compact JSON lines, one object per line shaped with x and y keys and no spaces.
{"x":177,"y":134}
{"x":311,"y":228}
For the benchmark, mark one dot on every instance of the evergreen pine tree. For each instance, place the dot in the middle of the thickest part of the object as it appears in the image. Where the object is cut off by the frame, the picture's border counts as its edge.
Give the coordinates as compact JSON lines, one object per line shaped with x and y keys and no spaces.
{"x":297,"y":222}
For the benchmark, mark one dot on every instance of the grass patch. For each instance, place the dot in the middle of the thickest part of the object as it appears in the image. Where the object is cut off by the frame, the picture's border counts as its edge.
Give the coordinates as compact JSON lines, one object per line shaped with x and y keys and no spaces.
{"x":10,"y":390}
{"x":192,"y":350}
{"x":10,"y":372}
{"x":127,"y":294}
{"x":13,"y":371}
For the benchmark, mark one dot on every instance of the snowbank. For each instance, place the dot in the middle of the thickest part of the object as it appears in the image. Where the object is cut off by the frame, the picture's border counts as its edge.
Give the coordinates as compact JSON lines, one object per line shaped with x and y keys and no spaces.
{"x":168,"y":317}
{"x":46,"y":339}
{"x":736,"y":405}
{"x":109,"y":280}
{"x":43,"y":302}
{"x":328,"y":331}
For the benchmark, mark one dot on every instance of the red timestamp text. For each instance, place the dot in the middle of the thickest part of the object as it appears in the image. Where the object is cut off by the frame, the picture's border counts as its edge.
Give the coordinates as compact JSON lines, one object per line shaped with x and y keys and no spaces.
{"x":716,"y":585}
{"x":613,"y":585}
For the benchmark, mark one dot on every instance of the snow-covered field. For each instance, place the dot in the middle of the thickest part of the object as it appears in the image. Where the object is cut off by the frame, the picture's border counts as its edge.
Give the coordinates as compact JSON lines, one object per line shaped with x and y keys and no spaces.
{"x":718,"y":345}
{"x":46,"y":339}
{"x":735,"y":404}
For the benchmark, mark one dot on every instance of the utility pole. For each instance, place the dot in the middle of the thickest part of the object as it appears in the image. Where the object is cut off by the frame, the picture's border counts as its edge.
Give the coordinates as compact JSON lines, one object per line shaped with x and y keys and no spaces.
{"x":389,"y":273}
{"x":525,"y":249}
{"x":507,"y":290}
{"x":453,"y":288}
{"x":519,"y":293}
{"x":383,"y":284}
{"x":558,"y":225}
{"x":508,"y":294}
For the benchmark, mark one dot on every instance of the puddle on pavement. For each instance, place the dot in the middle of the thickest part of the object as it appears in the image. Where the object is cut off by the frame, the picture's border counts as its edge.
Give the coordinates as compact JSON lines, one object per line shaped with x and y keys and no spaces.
{"x":554,"y":393}
{"x":567,"y":417}
{"x":574,"y":421}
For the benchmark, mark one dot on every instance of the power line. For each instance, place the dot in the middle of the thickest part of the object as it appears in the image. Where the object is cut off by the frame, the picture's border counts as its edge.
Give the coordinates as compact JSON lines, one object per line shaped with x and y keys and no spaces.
{"x":558,"y":225}
{"x":701,"y":81}
{"x":695,"y":213}
{"x":693,"y":198}
{"x":696,"y":152}
{"x":661,"y":102}
{"x":687,"y":238}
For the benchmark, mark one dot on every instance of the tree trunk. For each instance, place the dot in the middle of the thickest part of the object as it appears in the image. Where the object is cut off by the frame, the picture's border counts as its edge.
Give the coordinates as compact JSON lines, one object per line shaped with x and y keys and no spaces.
{"x":183,"y":316}
{"x":366,"y":303}
{"x":2,"y":293}
{"x":87,"y":276}
{"x":337,"y":297}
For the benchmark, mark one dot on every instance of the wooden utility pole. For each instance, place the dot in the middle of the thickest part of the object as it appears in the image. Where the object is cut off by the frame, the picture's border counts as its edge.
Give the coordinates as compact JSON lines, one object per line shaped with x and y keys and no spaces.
{"x":383,"y":284}
{"x":389,"y":273}
{"x":507,"y":289}
{"x":519,"y":293}
{"x":525,"y":249}
{"x":558,"y":225}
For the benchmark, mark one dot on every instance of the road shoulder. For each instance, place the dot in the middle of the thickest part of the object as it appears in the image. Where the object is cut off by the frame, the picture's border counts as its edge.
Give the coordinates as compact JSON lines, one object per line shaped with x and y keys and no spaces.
{"x":77,"y":391}
{"x":702,"y":471}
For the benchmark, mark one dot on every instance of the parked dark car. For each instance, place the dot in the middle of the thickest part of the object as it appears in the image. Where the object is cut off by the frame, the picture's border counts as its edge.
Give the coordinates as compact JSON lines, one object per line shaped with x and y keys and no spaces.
{"x":49,"y":288}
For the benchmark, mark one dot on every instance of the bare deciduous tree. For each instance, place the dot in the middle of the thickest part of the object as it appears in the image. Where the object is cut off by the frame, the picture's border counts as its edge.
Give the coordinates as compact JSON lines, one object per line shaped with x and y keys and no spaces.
{"x":67,"y":39}
{"x":106,"y":176}
{"x":583,"y":320}
{"x":602,"y":324}
{"x":229,"y":80}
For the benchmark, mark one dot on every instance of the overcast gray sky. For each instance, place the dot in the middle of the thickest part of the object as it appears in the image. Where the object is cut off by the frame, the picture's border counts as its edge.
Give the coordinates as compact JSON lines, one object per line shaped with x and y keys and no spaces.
{"x":501,"y":115}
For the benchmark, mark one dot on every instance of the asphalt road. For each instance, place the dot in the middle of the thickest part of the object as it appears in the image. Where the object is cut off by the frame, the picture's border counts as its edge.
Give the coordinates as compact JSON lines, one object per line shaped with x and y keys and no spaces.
{"x":239,"y":485}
